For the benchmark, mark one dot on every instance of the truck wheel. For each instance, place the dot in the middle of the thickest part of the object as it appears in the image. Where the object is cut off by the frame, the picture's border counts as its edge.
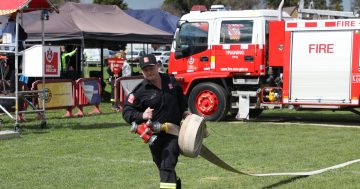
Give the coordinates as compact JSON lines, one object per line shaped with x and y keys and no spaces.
{"x":209,"y":100}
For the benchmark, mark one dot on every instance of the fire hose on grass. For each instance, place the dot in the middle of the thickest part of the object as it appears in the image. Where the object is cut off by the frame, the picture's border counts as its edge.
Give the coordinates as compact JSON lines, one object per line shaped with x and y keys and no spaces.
{"x":193,"y":130}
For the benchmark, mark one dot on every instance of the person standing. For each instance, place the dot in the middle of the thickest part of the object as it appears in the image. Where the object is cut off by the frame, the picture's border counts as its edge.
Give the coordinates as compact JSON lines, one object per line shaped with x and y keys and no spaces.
{"x":126,"y":70}
{"x":65,"y":62}
{"x":111,"y":82}
{"x":9,"y":31}
{"x":158,"y":98}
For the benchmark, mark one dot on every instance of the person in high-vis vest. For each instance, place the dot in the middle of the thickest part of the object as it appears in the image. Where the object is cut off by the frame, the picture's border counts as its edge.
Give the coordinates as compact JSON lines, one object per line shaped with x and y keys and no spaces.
{"x":159,"y":98}
{"x":66,"y":67}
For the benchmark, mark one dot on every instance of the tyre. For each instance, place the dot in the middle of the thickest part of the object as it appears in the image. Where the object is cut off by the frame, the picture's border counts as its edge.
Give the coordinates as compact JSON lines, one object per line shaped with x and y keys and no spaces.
{"x":209,"y":100}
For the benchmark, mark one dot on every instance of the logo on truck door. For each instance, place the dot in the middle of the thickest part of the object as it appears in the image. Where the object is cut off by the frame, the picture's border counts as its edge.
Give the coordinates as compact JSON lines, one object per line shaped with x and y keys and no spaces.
{"x":356,"y":78}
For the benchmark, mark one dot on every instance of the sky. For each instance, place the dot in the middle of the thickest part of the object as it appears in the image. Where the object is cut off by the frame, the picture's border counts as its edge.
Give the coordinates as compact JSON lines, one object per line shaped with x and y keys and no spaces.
{"x":137,"y":4}
{"x":144,"y":4}
{"x":148,"y":4}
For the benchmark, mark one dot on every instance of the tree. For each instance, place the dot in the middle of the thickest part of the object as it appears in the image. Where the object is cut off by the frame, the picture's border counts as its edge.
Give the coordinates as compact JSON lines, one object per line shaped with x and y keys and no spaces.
{"x":336,"y":5}
{"x":318,"y":4}
{"x":274,"y":4}
{"x":236,"y":5}
{"x":119,"y":3}
{"x":179,"y":7}
{"x":60,"y":2}
{"x":355,"y":5}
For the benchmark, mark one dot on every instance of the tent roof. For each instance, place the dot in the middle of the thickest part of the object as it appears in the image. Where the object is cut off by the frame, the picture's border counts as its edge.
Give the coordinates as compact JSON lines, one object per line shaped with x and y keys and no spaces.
{"x":93,"y":22}
{"x":155,"y":17}
{"x":11,"y":6}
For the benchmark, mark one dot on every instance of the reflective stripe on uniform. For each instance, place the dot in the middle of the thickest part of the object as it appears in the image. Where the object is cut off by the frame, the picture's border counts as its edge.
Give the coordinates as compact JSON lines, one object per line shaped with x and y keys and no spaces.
{"x":164,"y":185}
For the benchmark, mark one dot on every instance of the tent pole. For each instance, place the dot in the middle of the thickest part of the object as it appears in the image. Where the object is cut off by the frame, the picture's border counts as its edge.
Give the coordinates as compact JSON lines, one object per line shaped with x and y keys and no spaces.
{"x":82,"y":58}
{"x":43,"y":17}
{"x":16,"y":55}
{"x":102,"y":62}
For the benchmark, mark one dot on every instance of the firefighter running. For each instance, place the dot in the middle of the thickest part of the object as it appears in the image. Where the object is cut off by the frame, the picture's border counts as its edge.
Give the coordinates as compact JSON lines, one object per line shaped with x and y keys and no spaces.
{"x":158,"y":98}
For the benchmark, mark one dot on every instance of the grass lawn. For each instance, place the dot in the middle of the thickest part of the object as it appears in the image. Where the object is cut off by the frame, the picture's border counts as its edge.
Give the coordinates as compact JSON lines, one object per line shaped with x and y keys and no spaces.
{"x":99,"y":152}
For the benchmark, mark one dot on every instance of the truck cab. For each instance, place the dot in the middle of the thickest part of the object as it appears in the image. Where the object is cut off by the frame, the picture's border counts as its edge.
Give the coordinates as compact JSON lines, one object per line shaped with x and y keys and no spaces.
{"x":220,"y":55}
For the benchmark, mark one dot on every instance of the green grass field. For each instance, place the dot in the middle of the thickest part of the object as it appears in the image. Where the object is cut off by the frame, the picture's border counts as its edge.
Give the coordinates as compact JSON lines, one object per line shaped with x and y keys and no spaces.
{"x":99,"y":152}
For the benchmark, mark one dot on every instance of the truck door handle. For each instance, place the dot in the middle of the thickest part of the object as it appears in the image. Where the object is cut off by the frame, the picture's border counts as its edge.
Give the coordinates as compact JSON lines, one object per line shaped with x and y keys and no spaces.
{"x":204,"y":59}
{"x":249,"y":59}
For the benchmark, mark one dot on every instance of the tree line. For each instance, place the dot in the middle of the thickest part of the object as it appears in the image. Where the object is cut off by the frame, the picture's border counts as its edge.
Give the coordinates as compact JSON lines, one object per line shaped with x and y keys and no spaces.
{"x":179,"y":7}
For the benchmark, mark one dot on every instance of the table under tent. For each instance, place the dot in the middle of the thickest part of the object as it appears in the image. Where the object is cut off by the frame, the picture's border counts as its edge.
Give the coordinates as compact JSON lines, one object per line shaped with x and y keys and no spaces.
{"x":10,"y":95}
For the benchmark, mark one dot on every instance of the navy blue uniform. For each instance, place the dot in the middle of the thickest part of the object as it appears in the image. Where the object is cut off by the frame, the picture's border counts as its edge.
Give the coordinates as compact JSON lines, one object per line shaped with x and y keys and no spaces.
{"x":169,"y":104}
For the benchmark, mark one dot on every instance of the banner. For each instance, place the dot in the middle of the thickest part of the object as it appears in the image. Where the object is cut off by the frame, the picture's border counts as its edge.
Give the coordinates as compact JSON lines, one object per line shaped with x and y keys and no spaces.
{"x":91,"y":91}
{"x":51,"y":61}
{"x":57,"y":95}
{"x":116,"y":65}
{"x":39,"y":61}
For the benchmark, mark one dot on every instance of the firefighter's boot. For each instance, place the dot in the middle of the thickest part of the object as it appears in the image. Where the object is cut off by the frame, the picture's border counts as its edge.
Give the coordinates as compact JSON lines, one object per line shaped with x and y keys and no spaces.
{"x":178,"y":183}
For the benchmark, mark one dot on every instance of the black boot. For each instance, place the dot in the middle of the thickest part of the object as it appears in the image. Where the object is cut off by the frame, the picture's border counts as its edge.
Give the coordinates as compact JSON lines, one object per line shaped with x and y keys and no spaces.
{"x":178,"y":183}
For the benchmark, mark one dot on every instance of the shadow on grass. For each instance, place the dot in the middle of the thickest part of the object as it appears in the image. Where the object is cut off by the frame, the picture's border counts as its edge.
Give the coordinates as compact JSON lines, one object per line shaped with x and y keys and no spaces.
{"x":36,"y":128}
{"x":35,"y":131}
{"x":99,"y":126}
{"x":306,"y":118}
{"x":85,"y":115}
{"x":283,"y":182}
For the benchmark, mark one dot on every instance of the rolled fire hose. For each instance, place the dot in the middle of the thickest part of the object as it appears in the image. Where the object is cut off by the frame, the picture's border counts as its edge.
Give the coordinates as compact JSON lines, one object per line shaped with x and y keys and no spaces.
{"x":191,"y":134}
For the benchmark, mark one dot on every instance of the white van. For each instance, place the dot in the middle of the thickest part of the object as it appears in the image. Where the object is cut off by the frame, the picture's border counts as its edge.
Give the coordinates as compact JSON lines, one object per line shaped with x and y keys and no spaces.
{"x":92,"y":56}
{"x":133,"y":56}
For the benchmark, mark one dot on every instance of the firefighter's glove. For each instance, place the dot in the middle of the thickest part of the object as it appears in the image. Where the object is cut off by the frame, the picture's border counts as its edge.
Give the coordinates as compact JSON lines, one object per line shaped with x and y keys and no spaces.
{"x":185,"y":114}
{"x":148,"y":113}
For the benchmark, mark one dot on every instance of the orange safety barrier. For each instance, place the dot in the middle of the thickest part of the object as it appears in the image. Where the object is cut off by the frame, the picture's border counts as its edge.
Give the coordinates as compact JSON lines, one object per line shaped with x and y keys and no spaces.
{"x":60,"y":95}
{"x":88,"y":92}
{"x":123,"y":86}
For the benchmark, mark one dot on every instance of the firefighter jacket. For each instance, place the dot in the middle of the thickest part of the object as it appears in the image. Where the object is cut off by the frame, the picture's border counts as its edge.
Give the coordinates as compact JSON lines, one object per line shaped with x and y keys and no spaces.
{"x":169,"y":103}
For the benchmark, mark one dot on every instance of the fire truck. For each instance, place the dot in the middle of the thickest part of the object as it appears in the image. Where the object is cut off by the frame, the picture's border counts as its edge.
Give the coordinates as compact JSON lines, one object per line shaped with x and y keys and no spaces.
{"x":242,"y":62}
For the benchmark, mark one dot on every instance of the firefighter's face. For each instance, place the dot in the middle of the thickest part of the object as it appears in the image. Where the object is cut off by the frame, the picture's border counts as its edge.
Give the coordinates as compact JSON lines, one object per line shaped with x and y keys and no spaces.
{"x":151,"y":72}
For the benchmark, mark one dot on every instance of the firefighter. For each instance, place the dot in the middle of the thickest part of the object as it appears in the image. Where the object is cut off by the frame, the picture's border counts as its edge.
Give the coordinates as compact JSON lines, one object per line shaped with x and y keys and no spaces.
{"x":160,"y":98}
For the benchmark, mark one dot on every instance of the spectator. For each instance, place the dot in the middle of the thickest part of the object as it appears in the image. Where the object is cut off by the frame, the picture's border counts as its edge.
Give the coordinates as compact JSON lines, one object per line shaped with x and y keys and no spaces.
{"x":9,"y":32}
{"x":111,"y":82}
{"x":66,"y":67}
{"x":126,"y":70}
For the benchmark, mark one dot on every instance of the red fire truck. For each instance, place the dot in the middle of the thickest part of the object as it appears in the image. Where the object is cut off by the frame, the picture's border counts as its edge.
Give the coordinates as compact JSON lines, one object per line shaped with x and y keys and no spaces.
{"x":241,"y":62}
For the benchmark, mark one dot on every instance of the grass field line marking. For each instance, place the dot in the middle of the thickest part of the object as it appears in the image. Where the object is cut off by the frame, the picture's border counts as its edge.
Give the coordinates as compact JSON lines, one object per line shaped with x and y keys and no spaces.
{"x":310,"y":172}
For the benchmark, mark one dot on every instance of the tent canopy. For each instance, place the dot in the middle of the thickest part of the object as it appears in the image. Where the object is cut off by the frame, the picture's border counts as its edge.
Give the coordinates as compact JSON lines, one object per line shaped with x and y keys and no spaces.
{"x":11,"y":6}
{"x":157,"y":18}
{"x":94,"y":24}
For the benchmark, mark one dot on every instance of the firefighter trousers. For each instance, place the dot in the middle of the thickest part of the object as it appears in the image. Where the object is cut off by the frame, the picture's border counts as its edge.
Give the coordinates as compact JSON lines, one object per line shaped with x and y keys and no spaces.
{"x":165,"y":152}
